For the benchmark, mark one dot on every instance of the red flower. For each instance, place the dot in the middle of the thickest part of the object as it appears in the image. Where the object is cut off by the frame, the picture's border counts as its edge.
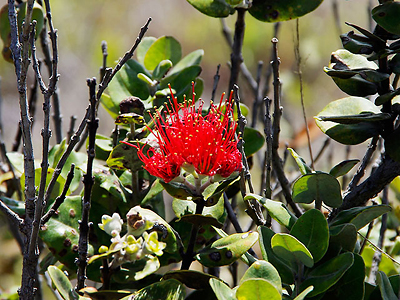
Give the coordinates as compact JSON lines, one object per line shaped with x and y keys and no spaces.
{"x":186,"y":138}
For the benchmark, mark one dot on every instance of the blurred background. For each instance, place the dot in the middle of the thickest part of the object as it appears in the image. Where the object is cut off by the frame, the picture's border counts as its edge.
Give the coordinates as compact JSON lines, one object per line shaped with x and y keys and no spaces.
{"x":83,"y":25}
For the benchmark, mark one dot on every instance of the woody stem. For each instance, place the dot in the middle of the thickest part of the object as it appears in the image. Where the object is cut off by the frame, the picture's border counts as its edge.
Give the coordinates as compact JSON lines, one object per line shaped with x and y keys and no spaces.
{"x":188,"y":256}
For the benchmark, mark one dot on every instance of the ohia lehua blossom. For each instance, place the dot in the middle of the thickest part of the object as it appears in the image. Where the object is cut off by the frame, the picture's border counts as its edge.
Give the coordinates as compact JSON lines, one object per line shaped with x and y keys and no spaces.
{"x":205,"y":145}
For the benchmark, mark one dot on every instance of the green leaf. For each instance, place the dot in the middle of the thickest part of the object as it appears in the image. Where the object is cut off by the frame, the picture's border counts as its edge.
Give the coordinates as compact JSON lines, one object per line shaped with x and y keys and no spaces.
{"x":253,"y":141}
{"x":276,"y":11}
{"x":320,"y":187}
{"x":387,"y":97}
{"x":182,"y":80}
{"x":192,"y":59}
{"x":385,"y":287}
{"x":164,"y":48}
{"x":213,"y":8}
{"x":15,"y":205}
{"x":291,"y":250}
{"x":154,"y":199}
{"x":277,"y":210}
{"x":326,"y":275}
{"x":386,"y":15}
{"x":343,"y":167}
{"x":257,"y":289}
{"x":212,"y":199}
{"x":304,"y":293}
{"x":303,"y":167}
{"x":221,"y":290}
{"x":312,"y":230}
{"x":103,"y":147}
{"x":360,"y":216}
{"x":62,"y":284}
{"x":143,"y":47}
{"x":161,"y":69}
{"x":348,"y":134}
{"x":125,"y":157}
{"x":284,"y":270}
{"x":192,"y":279}
{"x":227,"y":250}
{"x":61,"y":232}
{"x":357,"y":119}
{"x":343,"y":237}
{"x":351,"y":285}
{"x":170,"y":289}
{"x":357,"y":44}
{"x":264,"y":270}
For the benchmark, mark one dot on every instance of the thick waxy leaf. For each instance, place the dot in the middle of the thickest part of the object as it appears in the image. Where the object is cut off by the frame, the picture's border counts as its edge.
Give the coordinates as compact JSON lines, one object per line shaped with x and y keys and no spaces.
{"x":343,"y":237}
{"x":343,"y":167}
{"x":144,"y":45}
{"x":276,"y":11}
{"x":161,"y":69}
{"x":386,"y":97}
{"x":62,"y":284}
{"x":15,"y":205}
{"x":253,"y":141}
{"x":326,"y":275}
{"x":228,"y":249}
{"x":385,"y":287}
{"x":181,"y":81}
{"x":94,"y":294}
{"x":357,"y":44}
{"x":394,"y":64}
{"x":360,"y":216}
{"x":154,"y":199}
{"x":192,"y":59}
{"x":387,"y":16}
{"x":213,"y":8}
{"x":320,"y":187}
{"x":264,"y":270}
{"x":291,"y":250}
{"x":277,"y":210}
{"x":304,"y":293}
{"x":192,"y":279}
{"x":303,"y":167}
{"x":61,"y":232}
{"x":356,"y":119}
{"x":351,"y":285}
{"x":213,"y":199}
{"x":221,"y":290}
{"x":257,"y":289}
{"x":170,"y":289}
{"x":285,"y":272}
{"x":164,"y":48}
{"x":348,"y":134}
{"x":125,"y":157}
{"x":312,"y":230}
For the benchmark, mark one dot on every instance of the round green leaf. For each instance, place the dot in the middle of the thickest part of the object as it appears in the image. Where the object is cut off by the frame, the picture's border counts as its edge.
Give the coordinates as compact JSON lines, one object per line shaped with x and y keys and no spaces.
{"x":276,"y":209}
{"x":387,"y":16}
{"x":192,"y":59}
{"x":165,"y":289}
{"x":181,"y":81}
{"x":291,"y":250}
{"x":264,"y":270}
{"x":343,"y":237}
{"x":144,"y":45}
{"x":221,"y":290}
{"x":276,"y":11}
{"x":348,"y":134}
{"x":351,"y":285}
{"x":257,"y":289}
{"x":192,"y":279}
{"x":320,"y":187}
{"x":228,"y":249}
{"x":62,"y":283}
{"x":343,"y":167}
{"x":164,"y":48}
{"x":125,"y":157}
{"x":213,"y":8}
{"x":253,"y":141}
{"x":312,"y":230}
{"x":326,"y":275}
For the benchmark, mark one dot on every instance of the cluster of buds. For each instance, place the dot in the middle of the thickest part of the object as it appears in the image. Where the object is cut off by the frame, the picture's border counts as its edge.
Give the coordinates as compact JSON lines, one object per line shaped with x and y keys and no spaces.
{"x":136,"y":244}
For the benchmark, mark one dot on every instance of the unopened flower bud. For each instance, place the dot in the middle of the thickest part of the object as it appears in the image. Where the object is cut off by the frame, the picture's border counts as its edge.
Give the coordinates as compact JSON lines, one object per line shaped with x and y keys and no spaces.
{"x":131,"y":104}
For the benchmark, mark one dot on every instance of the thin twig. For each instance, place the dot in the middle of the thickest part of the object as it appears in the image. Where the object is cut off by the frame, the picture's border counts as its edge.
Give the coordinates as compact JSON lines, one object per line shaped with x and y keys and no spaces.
{"x":88,"y":182}
{"x":323,"y":147}
{"x":336,"y":17}
{"x":245,"y":72}
{"x":268,"y":74}
{"x":276,"y":160}
{"x":105,"y":54}
{"x":60,"y":199}
{"x":215,"y":84}
{"x":298,"y":61}
{"x":364,"y":164}
{"x":71,"y":128}
{"x":253,"y":208}
{"x":267,"y":166}
{"x":12,"y":217}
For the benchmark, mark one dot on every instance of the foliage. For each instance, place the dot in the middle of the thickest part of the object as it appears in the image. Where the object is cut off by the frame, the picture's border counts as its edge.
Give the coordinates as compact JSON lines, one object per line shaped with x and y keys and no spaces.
{"x":164,"y":146}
